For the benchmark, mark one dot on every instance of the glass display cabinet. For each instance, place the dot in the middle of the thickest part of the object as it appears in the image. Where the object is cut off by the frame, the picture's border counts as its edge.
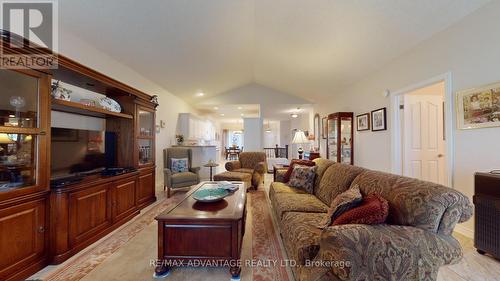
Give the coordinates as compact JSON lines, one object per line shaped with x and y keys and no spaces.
{"x":23,"y":127}
{"x":145,"y":135}
{"x":340,"y":137}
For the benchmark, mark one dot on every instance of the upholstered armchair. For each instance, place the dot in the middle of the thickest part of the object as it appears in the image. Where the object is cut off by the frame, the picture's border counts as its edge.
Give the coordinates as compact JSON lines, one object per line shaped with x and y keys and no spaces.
{"x":253,"y":163}
{"x":178,"y":180}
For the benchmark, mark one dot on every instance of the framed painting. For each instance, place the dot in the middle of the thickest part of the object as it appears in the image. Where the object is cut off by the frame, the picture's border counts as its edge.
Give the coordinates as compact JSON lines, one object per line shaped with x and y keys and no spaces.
{"x":363,"y":122}
{"x":479,"y":107}
{"x":379,"y":120}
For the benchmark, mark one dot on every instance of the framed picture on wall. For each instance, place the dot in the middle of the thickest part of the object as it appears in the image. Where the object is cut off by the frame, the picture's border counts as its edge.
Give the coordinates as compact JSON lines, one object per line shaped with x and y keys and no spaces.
{"x":324,"y":127}
{"x":379,"y":120}
{"x":363,"y":122}
{"x":479,"y":107}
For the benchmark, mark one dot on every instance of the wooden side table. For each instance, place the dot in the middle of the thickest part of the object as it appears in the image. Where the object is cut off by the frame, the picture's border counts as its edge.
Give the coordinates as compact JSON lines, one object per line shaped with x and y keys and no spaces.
{"x":211,"y":166}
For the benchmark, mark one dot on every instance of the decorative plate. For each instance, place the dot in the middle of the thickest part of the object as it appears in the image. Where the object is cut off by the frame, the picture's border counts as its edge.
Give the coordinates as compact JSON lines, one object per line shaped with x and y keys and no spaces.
{"x":110,"y":104}
{"x":210,"y":194}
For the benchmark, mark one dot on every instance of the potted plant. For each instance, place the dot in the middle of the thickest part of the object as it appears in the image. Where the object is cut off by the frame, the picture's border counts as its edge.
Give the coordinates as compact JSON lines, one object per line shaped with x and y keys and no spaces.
{"x":180,"y":139}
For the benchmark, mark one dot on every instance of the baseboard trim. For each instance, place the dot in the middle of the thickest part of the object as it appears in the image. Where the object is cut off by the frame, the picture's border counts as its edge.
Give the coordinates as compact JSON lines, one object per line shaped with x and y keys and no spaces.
{"x":464,"y":231}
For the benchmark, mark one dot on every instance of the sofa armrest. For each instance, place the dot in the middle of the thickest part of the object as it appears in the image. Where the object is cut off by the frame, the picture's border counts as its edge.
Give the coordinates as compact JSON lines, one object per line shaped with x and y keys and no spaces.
{"x":261,"y":168}
{"x":167,"y":177}
{"x":233,"y":165}
{"x":381,"y":252}
{"x":195,"y":170}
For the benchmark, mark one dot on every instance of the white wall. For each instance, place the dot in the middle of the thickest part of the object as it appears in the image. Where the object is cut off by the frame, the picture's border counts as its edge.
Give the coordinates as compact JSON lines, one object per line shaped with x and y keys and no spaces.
{"x":470,"y":51}
{"x":272,"y":138}
{"x":170,"y":105}
{"x":252,"y":135}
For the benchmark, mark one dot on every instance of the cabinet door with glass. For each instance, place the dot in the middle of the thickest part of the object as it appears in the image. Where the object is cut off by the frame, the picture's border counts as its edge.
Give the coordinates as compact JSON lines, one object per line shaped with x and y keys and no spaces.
{"x":340,"y":137}
{"x":145,"y":135}
{"x":24,"y":112}
{"x":332,"y":138}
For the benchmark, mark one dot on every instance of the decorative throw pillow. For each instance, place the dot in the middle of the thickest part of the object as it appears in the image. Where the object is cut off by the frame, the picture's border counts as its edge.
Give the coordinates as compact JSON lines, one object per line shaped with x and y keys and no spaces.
{"x":343,"y":202}
{"x":373,"y":210}
{"x":179,"y":165}
{"x":286,"y":177}
{"x":303,"y":178}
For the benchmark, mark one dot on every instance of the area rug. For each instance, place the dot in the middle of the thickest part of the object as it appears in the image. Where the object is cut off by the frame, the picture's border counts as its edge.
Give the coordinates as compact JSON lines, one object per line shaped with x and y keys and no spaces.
{"x":266,"y":247}
{"x":266,"y":253}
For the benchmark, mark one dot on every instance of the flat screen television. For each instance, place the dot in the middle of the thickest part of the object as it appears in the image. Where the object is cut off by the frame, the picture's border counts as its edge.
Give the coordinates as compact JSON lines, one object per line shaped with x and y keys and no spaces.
{"x":76,"y":152}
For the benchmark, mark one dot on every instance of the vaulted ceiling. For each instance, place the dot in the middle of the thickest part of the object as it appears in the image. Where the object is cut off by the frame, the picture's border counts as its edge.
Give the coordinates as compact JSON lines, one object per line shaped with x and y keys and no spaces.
{"x":307,"y":48}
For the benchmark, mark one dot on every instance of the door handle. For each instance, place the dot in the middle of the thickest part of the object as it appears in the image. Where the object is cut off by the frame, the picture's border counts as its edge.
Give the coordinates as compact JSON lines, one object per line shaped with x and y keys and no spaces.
{"x":440,"y":155}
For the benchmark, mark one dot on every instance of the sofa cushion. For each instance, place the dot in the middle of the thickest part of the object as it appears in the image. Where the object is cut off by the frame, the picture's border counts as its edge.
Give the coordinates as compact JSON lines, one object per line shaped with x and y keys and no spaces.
{"x":336,"y":179}
{"x":244,"y":170}
{"x":294,"y":202}
{"x":279,"y":187}
{"x":303,"y":178}
{"x":184,"y":177}
{"x":417,"y":203}
{"x":373,"y":210}
{"x":179,"y":165}
{"x":288,"y":174}
{"x":301,"y":235}
{"x":322,"y":165}
{"x":343,"y":202}
{"x":251,"y":159}
{"x":233,"y":176}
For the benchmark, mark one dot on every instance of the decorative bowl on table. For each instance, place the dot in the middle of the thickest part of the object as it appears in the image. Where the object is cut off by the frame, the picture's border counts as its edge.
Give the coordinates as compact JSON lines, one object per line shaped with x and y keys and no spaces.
{"x":208,"y":195}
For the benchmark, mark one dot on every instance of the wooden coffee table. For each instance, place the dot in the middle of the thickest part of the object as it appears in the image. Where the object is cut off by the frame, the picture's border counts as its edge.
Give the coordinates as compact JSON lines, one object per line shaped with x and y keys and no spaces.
{"x":196,"y":234}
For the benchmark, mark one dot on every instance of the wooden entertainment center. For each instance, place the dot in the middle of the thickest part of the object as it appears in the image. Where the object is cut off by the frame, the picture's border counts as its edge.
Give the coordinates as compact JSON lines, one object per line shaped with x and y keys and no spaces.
{"x":40,"y":225}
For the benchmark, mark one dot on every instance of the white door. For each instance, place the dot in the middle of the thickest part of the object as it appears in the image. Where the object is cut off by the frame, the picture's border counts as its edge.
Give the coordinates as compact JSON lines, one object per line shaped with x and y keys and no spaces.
{"x":423,"y":135}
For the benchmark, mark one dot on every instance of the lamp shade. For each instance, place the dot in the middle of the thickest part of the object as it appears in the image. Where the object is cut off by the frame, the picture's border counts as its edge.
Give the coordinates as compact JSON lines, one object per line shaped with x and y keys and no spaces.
{"x":299,"y":138}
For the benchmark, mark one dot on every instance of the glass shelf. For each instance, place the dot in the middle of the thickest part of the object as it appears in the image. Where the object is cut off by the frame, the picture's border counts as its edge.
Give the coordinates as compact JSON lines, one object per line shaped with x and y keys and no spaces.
{"x":17,"y":161}
{"x":19,"y":103}
{"x":146,"y":123}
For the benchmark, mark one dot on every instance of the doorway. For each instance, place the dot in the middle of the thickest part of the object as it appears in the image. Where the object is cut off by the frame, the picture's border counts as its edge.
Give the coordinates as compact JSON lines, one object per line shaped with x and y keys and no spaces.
{"x":422,"y":134}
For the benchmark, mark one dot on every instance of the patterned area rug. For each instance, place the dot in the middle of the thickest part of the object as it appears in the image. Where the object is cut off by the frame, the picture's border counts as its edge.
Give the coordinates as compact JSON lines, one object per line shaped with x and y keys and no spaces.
{"x":265,"y":244}
{"x":266,"y":250}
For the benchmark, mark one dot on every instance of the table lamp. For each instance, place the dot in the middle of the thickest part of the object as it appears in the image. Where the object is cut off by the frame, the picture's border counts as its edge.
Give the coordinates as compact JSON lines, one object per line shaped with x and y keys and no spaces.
{"x":300,"y":138}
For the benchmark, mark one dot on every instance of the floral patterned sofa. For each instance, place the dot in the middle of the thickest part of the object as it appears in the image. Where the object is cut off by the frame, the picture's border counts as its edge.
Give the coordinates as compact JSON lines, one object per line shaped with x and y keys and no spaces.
{"x":415,"y":241}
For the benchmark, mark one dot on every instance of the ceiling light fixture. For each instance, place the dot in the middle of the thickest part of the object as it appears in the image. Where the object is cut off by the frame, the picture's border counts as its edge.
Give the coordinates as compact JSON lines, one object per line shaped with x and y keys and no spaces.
{"x":240,"y":108}
{"x":242,"y":115}
{"x":267,"y":128}
{"x":222,"y":114}
{"x":200,"y":94}
{"x":216,"y":108}
{"x":295,"y":114}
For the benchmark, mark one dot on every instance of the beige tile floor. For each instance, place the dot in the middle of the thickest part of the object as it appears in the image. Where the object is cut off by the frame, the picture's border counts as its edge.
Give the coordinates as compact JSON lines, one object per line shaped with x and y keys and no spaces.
{"x":131,"y":262}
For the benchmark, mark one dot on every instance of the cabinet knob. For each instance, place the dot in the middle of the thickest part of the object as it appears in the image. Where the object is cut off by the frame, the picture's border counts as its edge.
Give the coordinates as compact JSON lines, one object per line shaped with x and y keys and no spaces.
{"x":41,"y":229}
